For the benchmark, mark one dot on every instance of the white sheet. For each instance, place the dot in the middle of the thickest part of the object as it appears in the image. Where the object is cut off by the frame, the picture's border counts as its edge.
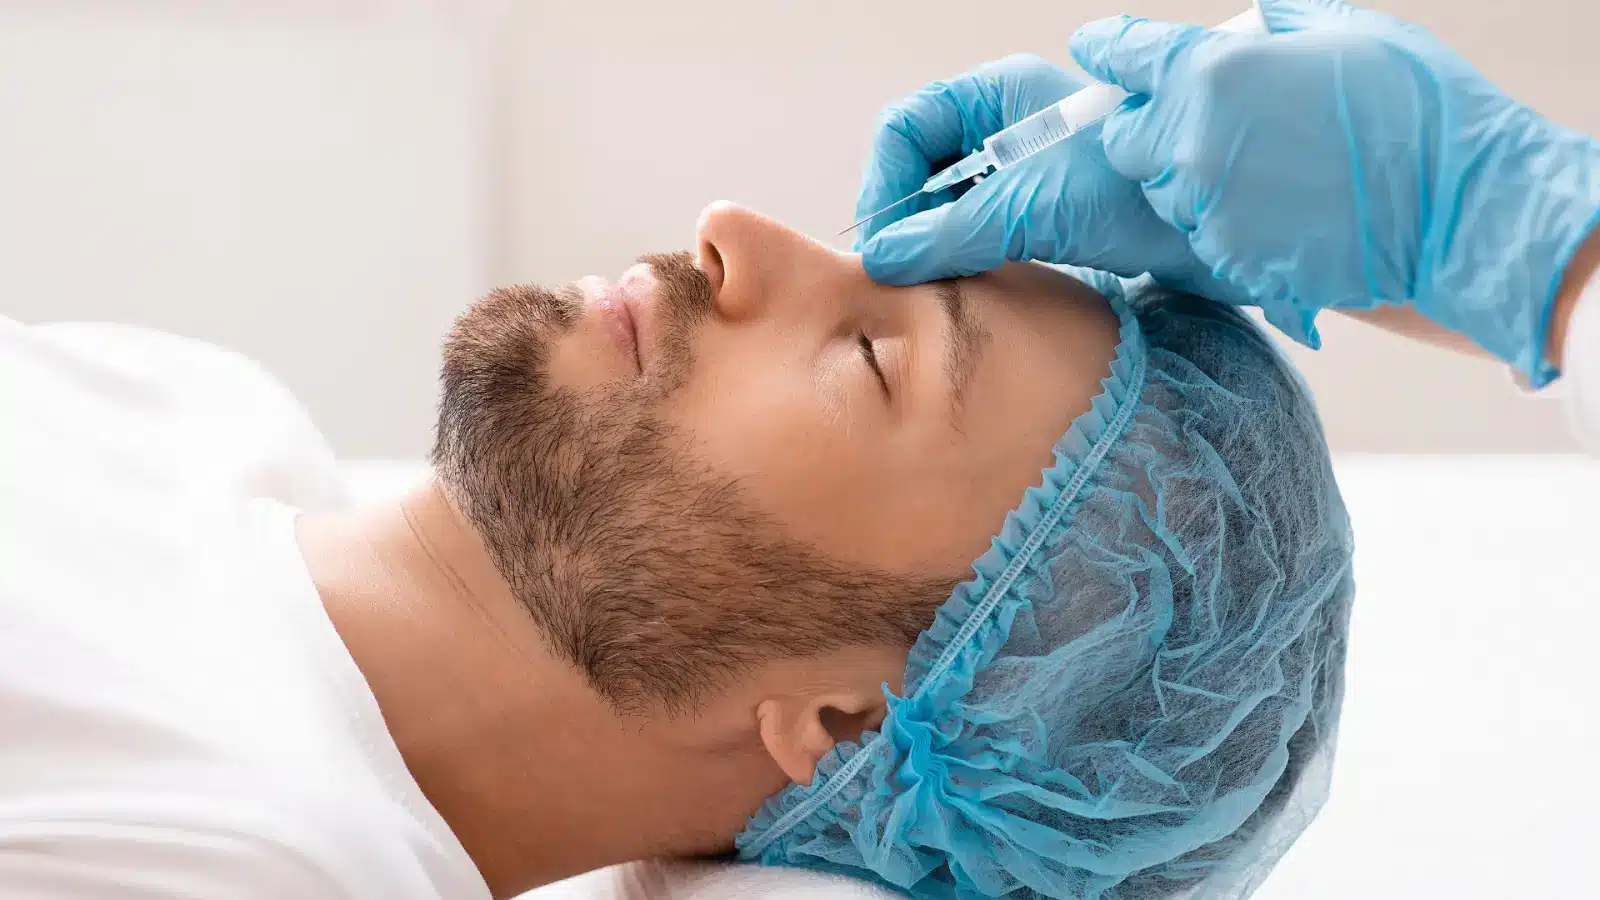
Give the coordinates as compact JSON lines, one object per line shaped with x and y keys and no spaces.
{"x":1469,"y":738}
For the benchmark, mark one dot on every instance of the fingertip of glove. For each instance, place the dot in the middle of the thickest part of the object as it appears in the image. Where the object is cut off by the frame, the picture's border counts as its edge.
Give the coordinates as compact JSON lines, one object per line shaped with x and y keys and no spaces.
{"x":884,"y":267}
{"x":1299,"y":326}
{"x":1104,"y":27}
{"x":893,"y":257}
{"x":1089,"y":39}
{"x":1313,"y":337}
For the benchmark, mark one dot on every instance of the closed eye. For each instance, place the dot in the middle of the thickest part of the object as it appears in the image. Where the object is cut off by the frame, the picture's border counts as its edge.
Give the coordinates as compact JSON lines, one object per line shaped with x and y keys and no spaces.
{"x":871,"y":356}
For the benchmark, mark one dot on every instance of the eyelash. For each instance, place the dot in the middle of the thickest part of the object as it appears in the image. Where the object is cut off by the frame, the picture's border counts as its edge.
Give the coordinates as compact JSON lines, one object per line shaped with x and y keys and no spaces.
{"x":871,"y":356}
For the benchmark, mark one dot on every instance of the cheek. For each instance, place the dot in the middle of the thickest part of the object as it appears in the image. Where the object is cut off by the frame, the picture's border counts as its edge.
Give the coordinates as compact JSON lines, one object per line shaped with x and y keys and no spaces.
{"x":738,"y":406}
{"x":773,"y":421}
{"x":811,"y":449}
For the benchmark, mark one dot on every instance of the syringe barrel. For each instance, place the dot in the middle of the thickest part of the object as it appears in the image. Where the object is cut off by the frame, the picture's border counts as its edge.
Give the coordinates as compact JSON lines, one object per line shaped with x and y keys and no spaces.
{"x":1078,"y":111}
{"x":1091,"y":104}
{"x":1027,"y":137}
{"x":1053,"y":124}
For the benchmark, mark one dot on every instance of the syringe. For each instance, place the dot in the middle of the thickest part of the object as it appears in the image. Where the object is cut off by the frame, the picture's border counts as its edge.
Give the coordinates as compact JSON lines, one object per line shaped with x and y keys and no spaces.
{"x":1047,"y":127}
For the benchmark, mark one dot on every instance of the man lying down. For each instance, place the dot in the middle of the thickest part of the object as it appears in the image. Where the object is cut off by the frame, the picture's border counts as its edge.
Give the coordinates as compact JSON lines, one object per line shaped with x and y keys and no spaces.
{"x":988,"y":588}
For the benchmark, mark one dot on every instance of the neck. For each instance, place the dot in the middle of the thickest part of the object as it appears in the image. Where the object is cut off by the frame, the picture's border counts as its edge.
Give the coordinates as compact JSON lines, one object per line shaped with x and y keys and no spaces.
{"x":533,"y":772}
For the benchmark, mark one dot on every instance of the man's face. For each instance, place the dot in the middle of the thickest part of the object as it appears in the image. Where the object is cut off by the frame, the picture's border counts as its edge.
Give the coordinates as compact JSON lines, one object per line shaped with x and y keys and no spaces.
{"x":908,"y":472}
{"x":754,"y":446}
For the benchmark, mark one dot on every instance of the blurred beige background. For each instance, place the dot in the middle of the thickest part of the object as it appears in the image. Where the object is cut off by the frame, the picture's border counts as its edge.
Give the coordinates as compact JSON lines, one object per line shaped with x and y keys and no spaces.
{"x":322,"y":184}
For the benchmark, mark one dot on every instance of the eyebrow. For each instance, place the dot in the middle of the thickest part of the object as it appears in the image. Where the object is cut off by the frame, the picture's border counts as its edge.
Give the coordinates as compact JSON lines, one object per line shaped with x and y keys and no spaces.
{"x":963,"y":342}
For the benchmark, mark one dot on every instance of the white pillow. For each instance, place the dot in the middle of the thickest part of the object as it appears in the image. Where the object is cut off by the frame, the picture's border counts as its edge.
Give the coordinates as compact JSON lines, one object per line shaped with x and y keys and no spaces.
{"x":658,"y":880}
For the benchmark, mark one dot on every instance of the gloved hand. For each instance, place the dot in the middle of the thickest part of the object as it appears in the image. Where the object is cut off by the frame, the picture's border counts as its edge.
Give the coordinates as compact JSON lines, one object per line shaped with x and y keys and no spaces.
{"x":1350,"y":159}
{"x":1065,"y":205}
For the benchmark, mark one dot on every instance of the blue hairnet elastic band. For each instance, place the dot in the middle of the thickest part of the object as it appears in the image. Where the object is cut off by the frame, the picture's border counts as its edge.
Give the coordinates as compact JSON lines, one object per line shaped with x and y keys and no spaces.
{"x":1123,"y":389}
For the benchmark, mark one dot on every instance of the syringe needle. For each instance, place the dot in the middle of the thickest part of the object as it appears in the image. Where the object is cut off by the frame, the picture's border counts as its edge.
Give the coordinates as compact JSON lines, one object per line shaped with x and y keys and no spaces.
{"x":878,"y":213}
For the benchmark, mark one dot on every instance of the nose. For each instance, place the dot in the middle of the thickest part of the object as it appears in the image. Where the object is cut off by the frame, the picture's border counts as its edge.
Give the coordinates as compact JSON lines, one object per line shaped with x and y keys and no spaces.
{"x":761,"y":267}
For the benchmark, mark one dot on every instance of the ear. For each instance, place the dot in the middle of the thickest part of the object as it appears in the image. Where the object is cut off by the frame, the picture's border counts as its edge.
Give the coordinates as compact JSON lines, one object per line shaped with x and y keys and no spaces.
{"x":798,"y":730}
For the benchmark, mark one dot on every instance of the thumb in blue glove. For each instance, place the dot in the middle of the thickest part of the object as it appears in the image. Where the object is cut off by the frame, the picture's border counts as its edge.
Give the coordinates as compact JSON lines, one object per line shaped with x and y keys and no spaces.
{"x":1066,"y":205}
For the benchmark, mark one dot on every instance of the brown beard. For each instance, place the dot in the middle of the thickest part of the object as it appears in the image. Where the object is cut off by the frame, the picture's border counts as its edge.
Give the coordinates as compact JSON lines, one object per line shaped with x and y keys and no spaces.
{"x":640,"y":565}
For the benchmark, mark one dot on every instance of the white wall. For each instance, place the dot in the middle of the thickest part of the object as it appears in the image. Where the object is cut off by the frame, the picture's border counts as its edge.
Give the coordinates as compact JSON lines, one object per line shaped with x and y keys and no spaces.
{"x":322,"y":184}
{"x":311,"y":190}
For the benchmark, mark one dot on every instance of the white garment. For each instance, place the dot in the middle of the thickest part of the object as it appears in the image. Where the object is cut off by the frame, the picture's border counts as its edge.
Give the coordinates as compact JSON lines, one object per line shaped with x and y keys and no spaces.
{"x":1580,"y":370}
{"x":178,"y":716}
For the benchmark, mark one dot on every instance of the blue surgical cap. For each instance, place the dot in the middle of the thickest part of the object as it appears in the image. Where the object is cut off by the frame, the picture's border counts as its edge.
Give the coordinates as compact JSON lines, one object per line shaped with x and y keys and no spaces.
{"x":1137,"y":693}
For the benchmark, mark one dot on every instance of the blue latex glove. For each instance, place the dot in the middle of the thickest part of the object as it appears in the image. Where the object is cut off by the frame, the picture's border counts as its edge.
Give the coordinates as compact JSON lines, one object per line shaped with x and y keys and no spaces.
{"x":1350,"y":159}
{"x":1066,"y":205}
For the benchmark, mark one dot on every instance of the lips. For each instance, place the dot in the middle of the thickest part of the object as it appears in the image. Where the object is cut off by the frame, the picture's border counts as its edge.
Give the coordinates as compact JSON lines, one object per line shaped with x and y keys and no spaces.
{"x":626,"y":311}
{"x":615,"y":310}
